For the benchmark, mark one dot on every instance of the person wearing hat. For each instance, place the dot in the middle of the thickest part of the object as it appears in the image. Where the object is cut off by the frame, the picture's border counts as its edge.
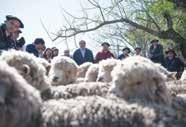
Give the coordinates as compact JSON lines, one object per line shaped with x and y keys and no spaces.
{"x":9,"y":27}
{"x":138,"y":51}
{"x":156,"y":52}
{"x":125,"y":53}
{"x":83,"y":54}
{"x":37,"y":47}
{"x":104,"y":53}
{"x":174,"y":63}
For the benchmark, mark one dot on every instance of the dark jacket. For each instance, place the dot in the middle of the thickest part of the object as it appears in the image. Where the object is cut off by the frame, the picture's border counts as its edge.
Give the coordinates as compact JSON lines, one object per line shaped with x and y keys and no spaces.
{"x":77,"y":56}
{"x":122,"y":56}
{"x":5,"y":42}
{"x":32,"y":49}
{"x":157,"y":54}
{"x":174,"y":65}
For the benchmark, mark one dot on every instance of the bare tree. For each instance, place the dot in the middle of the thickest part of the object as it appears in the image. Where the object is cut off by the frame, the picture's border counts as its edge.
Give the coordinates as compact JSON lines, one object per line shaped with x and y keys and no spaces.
{"x":118,"y":12}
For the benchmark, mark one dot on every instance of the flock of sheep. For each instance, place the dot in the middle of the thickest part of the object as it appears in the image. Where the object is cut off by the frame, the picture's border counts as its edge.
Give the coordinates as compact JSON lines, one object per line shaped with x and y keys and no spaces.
{"x":134,"y":92}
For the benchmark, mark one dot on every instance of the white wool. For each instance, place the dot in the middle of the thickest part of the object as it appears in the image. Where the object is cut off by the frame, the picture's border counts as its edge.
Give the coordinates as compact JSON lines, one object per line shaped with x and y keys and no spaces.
{"x":19,"y":102}
{"x":63,"y":71}
{"x":138,"y":77}
{"x":105,"y":69}
{"x":183,"y":77}
{"x":28,"y":66}
{"x":82,"y":69}
{"x":92,"y":73}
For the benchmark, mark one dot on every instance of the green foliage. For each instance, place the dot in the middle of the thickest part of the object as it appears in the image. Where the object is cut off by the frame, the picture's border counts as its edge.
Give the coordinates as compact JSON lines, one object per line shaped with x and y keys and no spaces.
{"x":161,"y":6}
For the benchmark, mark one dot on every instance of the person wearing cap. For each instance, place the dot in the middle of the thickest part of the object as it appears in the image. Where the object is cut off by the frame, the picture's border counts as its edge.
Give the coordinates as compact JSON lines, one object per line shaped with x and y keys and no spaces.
{"x":125,"y":54}
{"x":174,"y":63}
{"x":104,"y":53}
{"x":37,"y":47}
{"x":11,"y":25}
{"x":138,"y":51}
{"x":156,"y":52}
{"x":67,"y":53}
{"x":83,"y":54}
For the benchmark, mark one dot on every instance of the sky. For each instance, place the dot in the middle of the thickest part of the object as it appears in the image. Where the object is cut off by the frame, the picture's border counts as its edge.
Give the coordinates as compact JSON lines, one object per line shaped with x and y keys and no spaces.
{"x":32,"y":12}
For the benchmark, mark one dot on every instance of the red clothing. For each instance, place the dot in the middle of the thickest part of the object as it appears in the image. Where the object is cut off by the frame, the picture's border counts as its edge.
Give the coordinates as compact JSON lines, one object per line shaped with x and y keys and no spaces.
{"x":103,"y":55}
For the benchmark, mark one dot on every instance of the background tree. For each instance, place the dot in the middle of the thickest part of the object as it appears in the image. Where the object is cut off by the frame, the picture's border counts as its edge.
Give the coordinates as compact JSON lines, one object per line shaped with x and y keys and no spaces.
{"x":156,"y":18}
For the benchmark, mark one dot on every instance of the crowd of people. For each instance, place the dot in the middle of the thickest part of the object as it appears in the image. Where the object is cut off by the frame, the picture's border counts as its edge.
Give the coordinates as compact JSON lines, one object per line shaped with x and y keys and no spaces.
{"x":11,"y":29}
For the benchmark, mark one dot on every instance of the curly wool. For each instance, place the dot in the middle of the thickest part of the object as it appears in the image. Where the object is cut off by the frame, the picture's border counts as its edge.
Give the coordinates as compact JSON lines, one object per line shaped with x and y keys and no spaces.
{"x":35,"y":73}
{"x":95,"y":111}
{"x":63,"y":71}
{"x":19,"y":102}
{"x":74,"y":90}
{"x":105,"y":69}
{"x":82,"y":69}
{"x":138,"y":77}
{"x":92,"y":73}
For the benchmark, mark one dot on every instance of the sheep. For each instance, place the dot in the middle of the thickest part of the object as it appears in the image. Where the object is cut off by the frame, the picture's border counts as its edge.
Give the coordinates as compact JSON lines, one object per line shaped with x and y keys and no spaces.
{"x":83,"y":69}
{"x":63,"y":71}
{"x":20,"y":103}
{"x":97,"y":111}
{"x":74,"y":90}
{"x":29,"y":67}
{"x":105,"y":69}
{"x":138,"y":77}
{"x":140,"y":98}
{"x":46,"y":64}
{"x":183,"y":77}
{"x":92,"y":73}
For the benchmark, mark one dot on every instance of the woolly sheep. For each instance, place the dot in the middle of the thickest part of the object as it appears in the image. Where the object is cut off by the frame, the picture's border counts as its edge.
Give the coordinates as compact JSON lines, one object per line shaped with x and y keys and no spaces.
{"x":63,"y":71}
{"x":105,"y":69}
{"x":83,"y":69}
{"x":29,"y":67}
{"x":183,"y":77}
{"x":74,"y":90}
{"x":102,"y":112}
{"x":138,"y":77}
{"x":144,"y":101}
{"x":46,"y":64}
{"x":19,"y":102}
{"x":92,"y":73}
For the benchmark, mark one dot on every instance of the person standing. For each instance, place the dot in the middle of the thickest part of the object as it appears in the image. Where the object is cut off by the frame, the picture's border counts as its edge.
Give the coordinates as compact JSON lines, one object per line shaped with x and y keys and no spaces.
{"x":83,"y":54}
{"x":173,"y":63}
{"x":37,"y":47}
{"x":11,"y":25}
{"x":138,"y":51}
{"x":126,"y":52}
{"x":105,"y":53}
{"x":156,"y":52}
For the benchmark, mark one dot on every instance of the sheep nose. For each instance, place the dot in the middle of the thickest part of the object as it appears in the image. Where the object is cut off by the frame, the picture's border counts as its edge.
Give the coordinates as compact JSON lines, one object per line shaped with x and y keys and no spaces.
{"x":55,"y":78}
{"x":100,"y":79}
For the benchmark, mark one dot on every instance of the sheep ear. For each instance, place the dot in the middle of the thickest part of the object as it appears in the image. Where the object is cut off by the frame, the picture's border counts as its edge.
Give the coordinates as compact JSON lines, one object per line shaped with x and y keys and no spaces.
{"x":172,"y":76}
{"x":26,"y":69}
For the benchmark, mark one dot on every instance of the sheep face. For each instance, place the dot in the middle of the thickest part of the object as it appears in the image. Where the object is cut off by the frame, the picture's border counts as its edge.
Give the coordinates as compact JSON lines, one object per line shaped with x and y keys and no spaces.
{"x":63,"y":71}
{"x":137,"y":78}
{"x":16,"y":96}
{"x":105,"y":69}
{"x":29,"y":67}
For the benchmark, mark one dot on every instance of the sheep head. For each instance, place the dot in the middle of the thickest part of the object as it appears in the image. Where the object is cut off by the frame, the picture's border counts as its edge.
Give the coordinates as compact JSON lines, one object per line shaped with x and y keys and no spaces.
{"x":138,"y":78}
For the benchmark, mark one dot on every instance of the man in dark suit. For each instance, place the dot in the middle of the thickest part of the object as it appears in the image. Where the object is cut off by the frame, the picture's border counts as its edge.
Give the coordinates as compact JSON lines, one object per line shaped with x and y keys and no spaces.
{"x":83,"y":54}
